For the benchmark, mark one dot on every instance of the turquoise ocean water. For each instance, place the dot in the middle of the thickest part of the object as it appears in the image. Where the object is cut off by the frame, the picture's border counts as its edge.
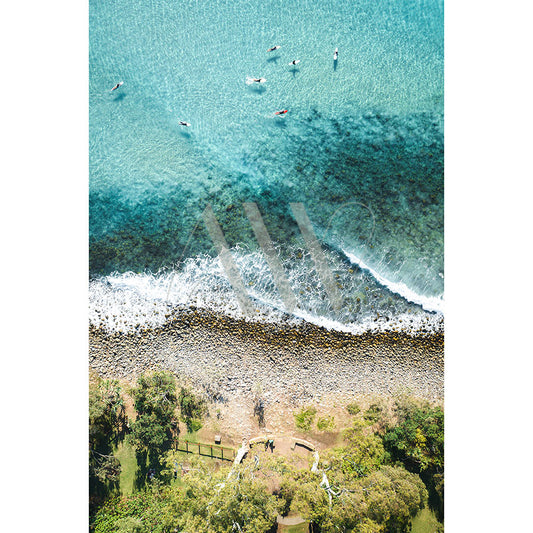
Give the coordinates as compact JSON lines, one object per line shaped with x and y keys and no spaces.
{"x":361,"y":146}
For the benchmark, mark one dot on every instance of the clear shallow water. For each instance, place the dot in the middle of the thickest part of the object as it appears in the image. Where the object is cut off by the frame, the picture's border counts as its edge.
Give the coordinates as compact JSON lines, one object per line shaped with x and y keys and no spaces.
{"x":361,"y":147}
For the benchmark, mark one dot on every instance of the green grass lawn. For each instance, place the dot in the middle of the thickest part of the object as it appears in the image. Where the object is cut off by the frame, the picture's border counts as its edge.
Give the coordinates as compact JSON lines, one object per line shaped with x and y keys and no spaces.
{"x":125,"y":453}
{"x":425,"y":522}
{"x":190,"y":436}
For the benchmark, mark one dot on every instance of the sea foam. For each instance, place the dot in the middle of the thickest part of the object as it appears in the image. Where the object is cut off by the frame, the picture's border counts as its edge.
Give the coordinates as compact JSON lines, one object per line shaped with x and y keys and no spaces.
{"x":135,"y":301}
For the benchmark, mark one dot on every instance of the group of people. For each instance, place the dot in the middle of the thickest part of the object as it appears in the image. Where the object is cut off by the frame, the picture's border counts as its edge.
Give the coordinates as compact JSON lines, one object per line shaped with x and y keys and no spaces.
{"x":253,"y":80}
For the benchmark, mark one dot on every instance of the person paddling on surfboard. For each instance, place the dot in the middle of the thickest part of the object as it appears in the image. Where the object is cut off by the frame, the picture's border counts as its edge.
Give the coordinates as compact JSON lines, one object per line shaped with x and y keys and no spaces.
{"x":250,"y":80}
{"x":295,"y":62}
{"x":119,"y":84}
{"x":281,"y":112}
{"x":274,"y":48}
{"x":336,"y":54}
{"x":183,"y":123}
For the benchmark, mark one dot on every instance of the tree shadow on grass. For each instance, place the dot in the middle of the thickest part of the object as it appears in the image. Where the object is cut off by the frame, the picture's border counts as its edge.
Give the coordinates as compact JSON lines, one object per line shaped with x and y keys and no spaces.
{"x":142,"y":469}
{"x":148,"y":465}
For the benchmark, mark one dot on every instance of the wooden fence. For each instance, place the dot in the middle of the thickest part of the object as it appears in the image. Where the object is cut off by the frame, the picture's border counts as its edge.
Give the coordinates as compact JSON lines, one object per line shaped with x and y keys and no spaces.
{"x":209,"y":450}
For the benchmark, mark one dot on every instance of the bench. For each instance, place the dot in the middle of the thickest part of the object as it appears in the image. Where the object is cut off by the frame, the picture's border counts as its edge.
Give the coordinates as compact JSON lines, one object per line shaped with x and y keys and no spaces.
{"x":304,"y":443}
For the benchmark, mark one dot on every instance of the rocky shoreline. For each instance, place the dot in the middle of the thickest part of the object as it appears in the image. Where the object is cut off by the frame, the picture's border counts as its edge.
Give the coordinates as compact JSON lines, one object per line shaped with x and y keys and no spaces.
{"x":231,"y":358}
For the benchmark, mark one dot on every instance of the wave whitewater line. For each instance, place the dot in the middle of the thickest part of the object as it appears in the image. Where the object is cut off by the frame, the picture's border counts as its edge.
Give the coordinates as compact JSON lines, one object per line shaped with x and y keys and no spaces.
{"x":132,"y":302}
{"x":429,"y":303}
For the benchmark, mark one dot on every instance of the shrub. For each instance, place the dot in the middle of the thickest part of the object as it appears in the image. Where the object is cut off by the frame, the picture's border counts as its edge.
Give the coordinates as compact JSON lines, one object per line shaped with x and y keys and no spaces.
{"x":373,"y":413}
{"x":325,"y":423}
{"x":304,"y":418}
{"x":353,"y":408}
{"x":193,"y":424}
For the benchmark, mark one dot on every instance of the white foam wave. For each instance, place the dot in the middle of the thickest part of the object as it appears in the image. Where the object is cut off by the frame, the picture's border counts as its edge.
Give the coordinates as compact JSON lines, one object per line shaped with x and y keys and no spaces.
{"x":129,"y":301}
{"x":429,"y":303}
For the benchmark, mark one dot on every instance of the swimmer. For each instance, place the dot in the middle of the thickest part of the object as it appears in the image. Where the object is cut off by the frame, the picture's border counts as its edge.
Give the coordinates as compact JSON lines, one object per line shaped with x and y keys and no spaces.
{"x":119,"y":84}
{"x":250,"y":80}
{"x":281,"y":112}
{"x":182,"y":123}
{"x":295,"y":62}
{"x":274,"y":48}
{"x":336,"y":54}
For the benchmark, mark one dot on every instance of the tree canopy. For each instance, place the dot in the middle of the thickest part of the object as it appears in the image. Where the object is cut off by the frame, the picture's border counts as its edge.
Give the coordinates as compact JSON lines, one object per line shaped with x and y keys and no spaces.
{"x":155,"y":403}
{"x":106,"y":422}
{"x":417,"y":441}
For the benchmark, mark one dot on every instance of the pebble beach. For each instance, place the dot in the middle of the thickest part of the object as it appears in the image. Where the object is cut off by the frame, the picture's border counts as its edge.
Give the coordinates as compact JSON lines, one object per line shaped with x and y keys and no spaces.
{"x":230,"y":358}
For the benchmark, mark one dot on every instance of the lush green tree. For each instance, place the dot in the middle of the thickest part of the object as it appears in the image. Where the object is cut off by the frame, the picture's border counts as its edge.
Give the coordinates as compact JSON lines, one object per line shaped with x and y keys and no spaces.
{"x":362,"y":453}
{"x":212,"y":501}
{"x":150,"y":432}
{"x":193,"y":409}
{"x":302,"y":494}
{"x":393,"y":497}
{"x":417,"y":440}
{"x":385,"y":500}
{"x":155,"y":403}
{"x":418,"y":437}
{"x":155,"y":393}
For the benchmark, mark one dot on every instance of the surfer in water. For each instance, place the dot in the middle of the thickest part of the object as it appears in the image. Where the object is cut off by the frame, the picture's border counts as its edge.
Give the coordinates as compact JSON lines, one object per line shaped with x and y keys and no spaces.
{"x":295,"y":62}
{"x":119,"y":84}
{"x":250,"y":80}
{"x":281,"y":112}
{"x":336,"y":54}
{"x":274,"y":48}
{"x":183,"y":123}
